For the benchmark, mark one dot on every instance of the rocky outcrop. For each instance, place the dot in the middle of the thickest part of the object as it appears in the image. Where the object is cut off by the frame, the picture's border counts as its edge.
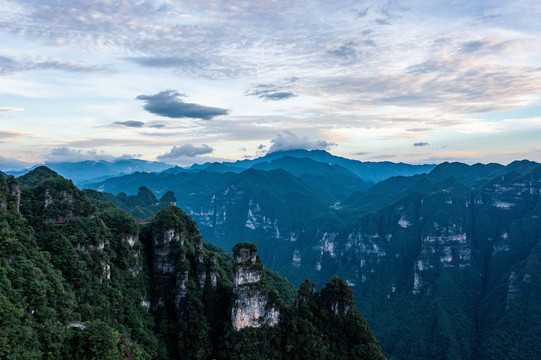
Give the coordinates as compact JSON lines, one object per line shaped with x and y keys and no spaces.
{"x":15,"y":189}
{"x":167,"y":245}
{"x":135,"y":264}
{"x":201,"y":271}
{"x":212,"y":272}
{"x":252,"y":307}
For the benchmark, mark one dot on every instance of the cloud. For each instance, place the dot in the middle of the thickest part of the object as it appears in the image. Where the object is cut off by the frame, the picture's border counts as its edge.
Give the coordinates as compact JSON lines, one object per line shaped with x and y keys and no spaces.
{"x":421,"y":144}
{"x":162,"y":134}
{"x":65,"y":154}
{"x":168,"y":103}
{"x":185,"y":151}
{"x":420,"y":129}
{"x":163,"y":62}
{"x":289,"y":141}
{"x":448,"y":80}
{"x":362,"y":13}
{"x":129,"y":123}
{"x":7,"y":164}
{"x":270,"y":92}
{"x":90,"y":142}
{"x":8,"y":109}
{"x":345,"y":52}
{"x":12,"y":65}
{"x":472,"y":46}
{"x":13,"y":134}
{"x":361,"y":153}
{"x":261,"y":147}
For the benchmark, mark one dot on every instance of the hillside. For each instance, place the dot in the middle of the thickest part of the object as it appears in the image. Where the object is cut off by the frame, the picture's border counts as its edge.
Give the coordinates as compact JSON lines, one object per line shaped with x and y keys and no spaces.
{"x":81,"y":279}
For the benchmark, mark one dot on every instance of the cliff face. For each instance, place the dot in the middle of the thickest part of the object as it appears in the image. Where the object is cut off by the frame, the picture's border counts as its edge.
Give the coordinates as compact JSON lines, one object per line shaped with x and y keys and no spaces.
{"x":179,"y":260}
{"x":252,"y":307}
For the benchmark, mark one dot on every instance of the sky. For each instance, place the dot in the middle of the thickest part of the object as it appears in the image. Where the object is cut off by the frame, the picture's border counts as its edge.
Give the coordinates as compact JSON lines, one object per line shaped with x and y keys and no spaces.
{"x":193,"y":81}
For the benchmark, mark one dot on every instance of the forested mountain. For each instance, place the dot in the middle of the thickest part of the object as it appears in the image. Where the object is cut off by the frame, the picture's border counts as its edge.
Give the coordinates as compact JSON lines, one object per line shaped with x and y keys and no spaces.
{"x":442,"y":265}
{"x":80,"y":278}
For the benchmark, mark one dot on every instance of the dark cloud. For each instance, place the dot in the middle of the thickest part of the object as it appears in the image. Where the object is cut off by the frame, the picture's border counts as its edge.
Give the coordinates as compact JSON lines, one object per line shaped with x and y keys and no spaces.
{"x":361,"y":153}
{"x":420,"y":129}
{"x":390,"y":11}
{"x":261,"y":147}
{"x":421,"y":144}
{"x":472,"y":46}
{"x":185,"y":151}
{"x":367,"y":32}
{"x":156,"y":125}
{"x":168,"y":103}
{"x":162,"y":62}
{"x":346,"y":52}
{"x":362,"y":13}
{"x":129,"y":123}
{"x":270,"y":92}
{"x":290,"y":141}
{"x":369,"y":42}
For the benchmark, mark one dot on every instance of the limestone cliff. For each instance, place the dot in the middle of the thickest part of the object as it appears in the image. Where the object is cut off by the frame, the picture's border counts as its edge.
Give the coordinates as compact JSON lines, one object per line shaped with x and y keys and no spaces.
{"x":252,"y":307}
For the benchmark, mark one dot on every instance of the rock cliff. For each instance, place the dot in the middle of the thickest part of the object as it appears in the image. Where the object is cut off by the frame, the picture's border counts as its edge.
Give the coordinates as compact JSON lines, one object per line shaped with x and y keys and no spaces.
{"x":252,"y":307}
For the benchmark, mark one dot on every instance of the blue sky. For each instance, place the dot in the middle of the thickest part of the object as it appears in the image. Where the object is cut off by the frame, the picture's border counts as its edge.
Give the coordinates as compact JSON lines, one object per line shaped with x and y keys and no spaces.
{"x":185,"y":82}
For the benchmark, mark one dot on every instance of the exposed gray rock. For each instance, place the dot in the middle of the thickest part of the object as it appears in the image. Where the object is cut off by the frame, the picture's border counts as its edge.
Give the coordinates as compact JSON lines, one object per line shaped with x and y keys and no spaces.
{"x":212,"y":272}
{"x":251,"y":307}
{"x":201,"y":271}
{"x":15,"y":189}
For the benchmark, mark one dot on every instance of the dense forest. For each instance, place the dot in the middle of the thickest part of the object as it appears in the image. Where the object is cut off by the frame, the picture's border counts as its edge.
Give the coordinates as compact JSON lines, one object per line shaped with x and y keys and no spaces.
{"x":80,"y":278}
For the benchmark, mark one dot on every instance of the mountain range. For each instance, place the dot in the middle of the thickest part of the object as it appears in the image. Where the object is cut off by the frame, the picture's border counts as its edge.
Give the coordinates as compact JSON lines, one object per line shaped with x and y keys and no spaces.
{"x":441,"y":263}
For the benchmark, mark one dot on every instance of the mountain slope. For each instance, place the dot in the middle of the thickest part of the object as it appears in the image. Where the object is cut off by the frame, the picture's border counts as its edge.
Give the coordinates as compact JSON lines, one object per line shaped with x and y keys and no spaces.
{"x":81,"y":279}
{"x":446,"y":272}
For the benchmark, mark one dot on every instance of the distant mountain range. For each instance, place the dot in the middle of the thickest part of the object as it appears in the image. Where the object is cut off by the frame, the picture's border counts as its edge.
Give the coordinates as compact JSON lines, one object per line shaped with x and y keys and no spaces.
{"x":315,"y":164}
{"x":368,"y":171}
